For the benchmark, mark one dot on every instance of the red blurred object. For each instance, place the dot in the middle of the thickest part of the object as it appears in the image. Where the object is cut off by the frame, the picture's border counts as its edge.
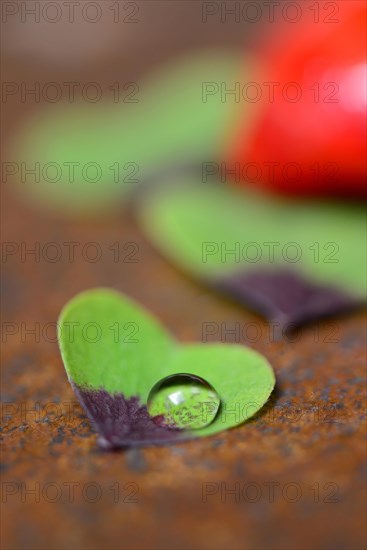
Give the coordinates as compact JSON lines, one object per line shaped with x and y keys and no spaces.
{"x":313,"y":144}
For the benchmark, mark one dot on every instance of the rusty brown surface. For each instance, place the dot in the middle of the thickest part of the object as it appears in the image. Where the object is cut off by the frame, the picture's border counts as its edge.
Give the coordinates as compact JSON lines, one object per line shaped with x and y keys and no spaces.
{"x":307,"y":444}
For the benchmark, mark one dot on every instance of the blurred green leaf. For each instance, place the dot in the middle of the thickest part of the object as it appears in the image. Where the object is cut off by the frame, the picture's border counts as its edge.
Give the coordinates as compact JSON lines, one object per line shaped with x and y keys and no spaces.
{"x":127,"y":142}
{"x":223,"y":235}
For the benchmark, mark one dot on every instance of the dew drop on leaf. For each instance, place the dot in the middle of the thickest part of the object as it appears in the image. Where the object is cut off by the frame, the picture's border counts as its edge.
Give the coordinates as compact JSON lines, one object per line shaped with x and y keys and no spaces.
{"x":183,"y":401}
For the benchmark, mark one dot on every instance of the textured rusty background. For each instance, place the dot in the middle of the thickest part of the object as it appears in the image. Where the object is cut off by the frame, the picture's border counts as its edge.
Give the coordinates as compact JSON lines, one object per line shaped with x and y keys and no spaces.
{"x":308,"y":442}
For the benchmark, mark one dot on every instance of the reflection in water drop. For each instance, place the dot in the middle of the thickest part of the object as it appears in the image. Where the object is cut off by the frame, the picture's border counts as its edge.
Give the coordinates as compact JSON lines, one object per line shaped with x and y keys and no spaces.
{"x":183,"y":401}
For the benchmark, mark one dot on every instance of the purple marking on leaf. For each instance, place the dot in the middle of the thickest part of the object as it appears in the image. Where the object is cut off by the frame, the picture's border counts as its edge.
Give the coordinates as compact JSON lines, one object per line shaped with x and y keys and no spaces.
{"x":124,"y":422}
{"x":284,"y":296}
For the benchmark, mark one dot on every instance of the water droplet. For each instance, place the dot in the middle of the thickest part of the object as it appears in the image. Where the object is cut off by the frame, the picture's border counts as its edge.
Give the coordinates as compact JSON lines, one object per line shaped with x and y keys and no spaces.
{"x":183,"y":401}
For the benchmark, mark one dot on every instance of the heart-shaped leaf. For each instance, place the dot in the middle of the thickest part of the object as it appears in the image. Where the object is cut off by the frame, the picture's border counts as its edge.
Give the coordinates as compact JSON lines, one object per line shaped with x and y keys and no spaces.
{"x":114,"y":353}
{"x":292,"y":261}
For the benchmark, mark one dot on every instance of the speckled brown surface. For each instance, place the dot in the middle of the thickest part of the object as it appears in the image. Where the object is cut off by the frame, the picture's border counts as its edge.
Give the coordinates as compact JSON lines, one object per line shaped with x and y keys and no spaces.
{"x":306,"y":446}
